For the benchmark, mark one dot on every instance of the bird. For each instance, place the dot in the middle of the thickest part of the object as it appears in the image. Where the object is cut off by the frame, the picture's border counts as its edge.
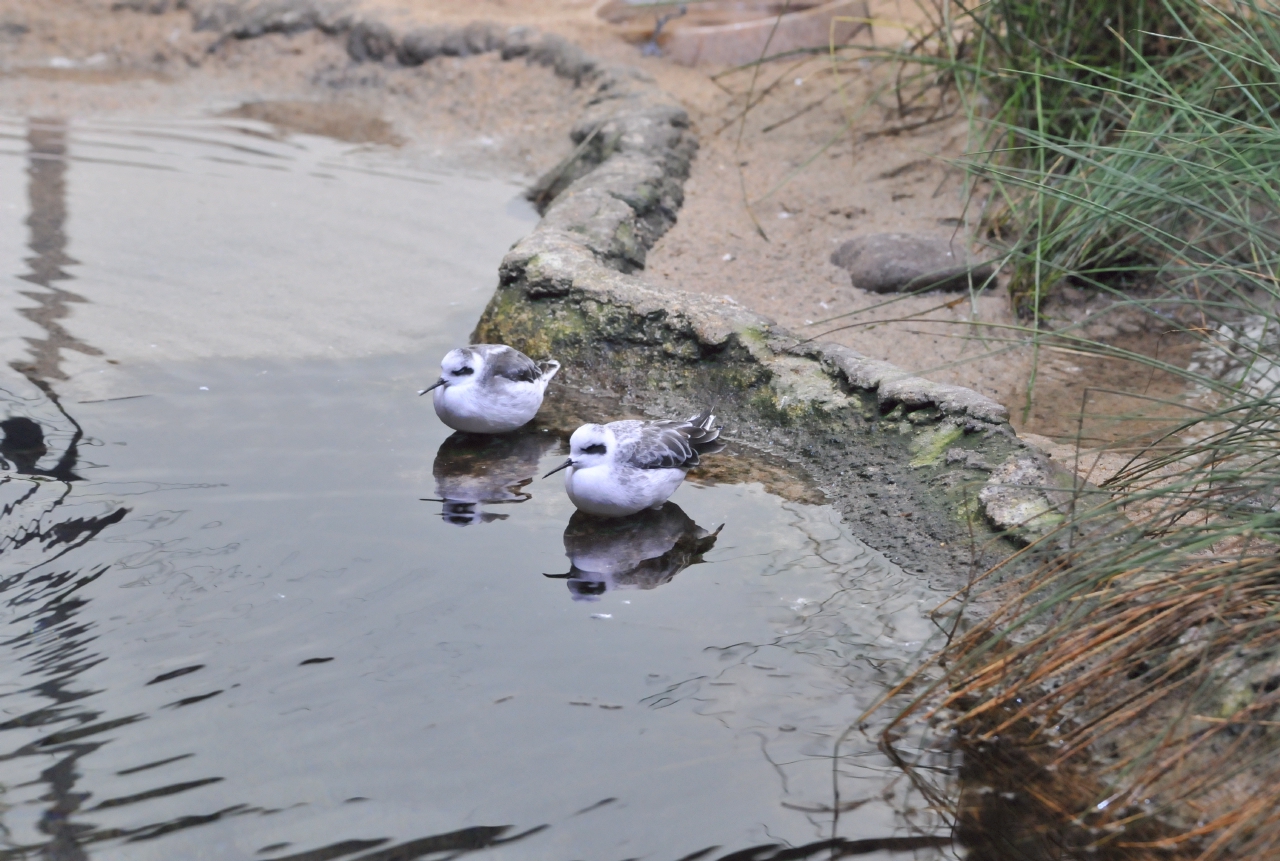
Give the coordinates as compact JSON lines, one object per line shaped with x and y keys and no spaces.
{"x":620,"y":468}
{"x":489,"y":388}
{"x":642,"y":551}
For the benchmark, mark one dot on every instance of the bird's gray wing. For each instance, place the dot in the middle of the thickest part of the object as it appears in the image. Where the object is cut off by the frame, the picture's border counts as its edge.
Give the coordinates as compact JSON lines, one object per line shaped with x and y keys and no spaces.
{"x":661,"y":445}
{"x":704,"y":433}
{"x":509,"y":363}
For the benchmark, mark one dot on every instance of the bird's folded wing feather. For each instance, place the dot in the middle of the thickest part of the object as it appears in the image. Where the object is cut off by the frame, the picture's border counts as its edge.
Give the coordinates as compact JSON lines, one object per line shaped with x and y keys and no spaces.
{"x":512,"y":365}
{"x":662,"y":445}
{"x":702,"y":430}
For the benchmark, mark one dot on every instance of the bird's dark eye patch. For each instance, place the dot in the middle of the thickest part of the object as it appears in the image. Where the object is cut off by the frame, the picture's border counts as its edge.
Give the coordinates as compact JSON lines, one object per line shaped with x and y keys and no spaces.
{"x":598,"y":448}
{"x":462,"y":372}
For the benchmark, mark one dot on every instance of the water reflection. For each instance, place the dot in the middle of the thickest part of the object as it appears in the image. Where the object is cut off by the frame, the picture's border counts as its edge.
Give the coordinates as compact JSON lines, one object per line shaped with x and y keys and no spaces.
{"x":39,"y":525}
{"x":47,"y":194}
{"x":473,"y":470}
{"x":642,"y":551}
{"x":23,"y":445}
{"x":453,"y":844}
{"x":36,"y":523}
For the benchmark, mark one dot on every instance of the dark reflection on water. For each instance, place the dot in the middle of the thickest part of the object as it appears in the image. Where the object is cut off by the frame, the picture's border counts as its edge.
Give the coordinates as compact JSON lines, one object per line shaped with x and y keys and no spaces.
{"x":23,"y":447}
{"x":454,"y":844}
{"x":474,"y":470}
{"x":642,"y":551}
{"x":37,"y":527}
{"x":839,"y":847}
{"x":46,"y":223}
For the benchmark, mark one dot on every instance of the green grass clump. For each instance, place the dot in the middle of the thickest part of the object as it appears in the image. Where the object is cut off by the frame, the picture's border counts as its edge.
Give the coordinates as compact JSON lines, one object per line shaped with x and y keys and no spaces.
{"x":1133,"y":148}
{"x":1133,"y":158}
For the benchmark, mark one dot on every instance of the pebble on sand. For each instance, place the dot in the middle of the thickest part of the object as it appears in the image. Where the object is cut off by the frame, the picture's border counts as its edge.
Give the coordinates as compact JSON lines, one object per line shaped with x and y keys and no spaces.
{"x":908,"y":262}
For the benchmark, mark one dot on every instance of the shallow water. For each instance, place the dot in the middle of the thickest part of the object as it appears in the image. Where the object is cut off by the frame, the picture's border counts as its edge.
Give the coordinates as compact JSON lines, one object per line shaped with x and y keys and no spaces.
{"x":240,"y":622}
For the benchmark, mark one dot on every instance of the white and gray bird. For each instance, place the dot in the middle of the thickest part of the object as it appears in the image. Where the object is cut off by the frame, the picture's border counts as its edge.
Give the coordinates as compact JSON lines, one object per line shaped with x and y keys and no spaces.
{"x":489,"y":388}
{"x":623,"y":467}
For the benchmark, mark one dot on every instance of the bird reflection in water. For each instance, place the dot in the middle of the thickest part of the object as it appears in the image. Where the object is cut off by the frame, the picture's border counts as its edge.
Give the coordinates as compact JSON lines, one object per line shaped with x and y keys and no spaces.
{"x":23,"y":444}
{"x":641,"y":551}
{"x":473,"y":470}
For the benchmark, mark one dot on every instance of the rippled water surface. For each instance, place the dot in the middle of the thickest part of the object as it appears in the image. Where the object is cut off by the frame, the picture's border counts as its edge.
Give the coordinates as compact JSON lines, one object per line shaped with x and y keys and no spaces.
{"x":256,"y":602}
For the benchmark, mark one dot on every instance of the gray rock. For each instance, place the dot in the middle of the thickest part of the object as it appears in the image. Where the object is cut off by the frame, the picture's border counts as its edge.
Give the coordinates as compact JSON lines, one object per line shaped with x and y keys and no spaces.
{"x":482,"y":37}
{"x":212,"y":15}
{"x":1028,"y":496}
{"x":653,"y":131}
{"x":370,"y":40}
{"x":568,"y":59}
{"x":907,"y":262}
{"x":971,"y":459}
{"x":418,"y":46}
{"x":455,"y":44}
{"x":249,"y":20}
{"x":892,"y":385}
{"x":517,"y":42}
{"x":150,"y":7}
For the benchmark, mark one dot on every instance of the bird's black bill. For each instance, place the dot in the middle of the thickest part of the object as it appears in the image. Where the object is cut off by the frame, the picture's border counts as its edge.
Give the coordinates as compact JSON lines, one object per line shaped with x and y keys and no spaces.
{"x":437,"y":384}
{"x":568,"y":463}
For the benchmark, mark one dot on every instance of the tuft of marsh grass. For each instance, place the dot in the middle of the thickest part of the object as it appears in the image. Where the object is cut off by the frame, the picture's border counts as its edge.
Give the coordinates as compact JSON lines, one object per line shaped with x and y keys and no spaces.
{"x":1133,"y":148}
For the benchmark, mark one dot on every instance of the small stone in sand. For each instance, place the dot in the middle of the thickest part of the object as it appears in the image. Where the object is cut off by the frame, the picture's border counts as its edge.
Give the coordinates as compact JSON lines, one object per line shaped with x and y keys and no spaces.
{"x":908,"y":262}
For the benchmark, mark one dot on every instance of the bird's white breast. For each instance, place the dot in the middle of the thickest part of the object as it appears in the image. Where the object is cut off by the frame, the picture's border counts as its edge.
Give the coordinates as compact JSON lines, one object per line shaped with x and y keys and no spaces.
{"x":609,"y":492}
{"x":496,"y":407}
